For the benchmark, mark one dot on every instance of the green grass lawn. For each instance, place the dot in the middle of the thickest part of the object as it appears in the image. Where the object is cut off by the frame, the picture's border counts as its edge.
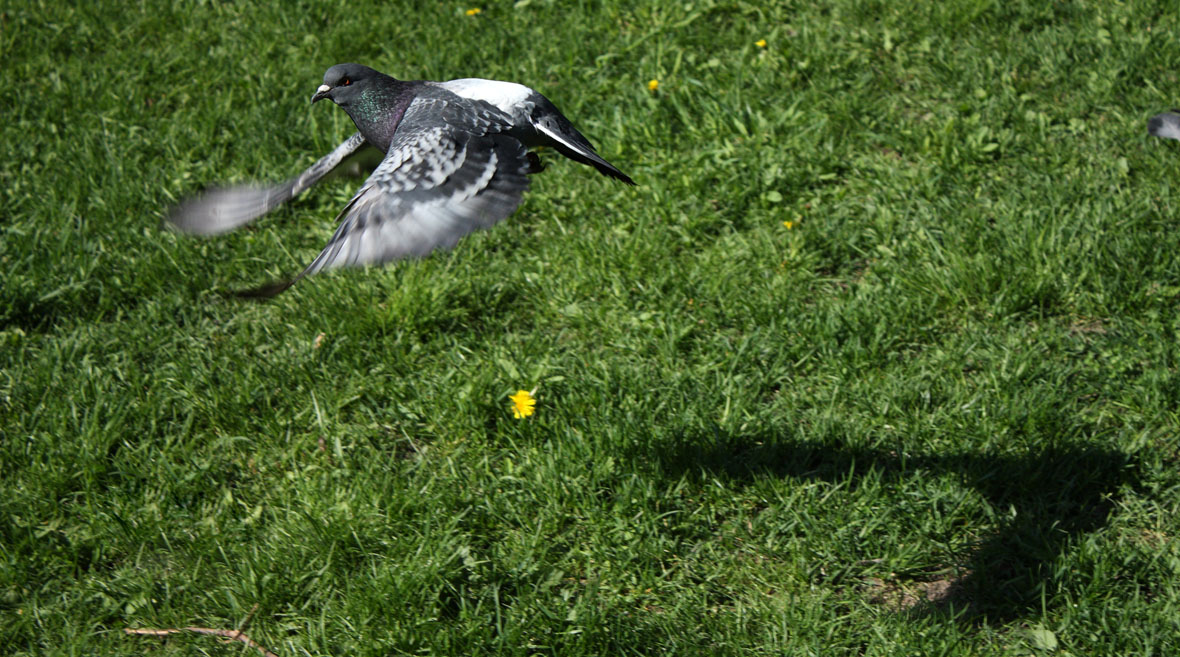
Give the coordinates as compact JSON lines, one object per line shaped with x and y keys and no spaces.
{"x":880,"y":358}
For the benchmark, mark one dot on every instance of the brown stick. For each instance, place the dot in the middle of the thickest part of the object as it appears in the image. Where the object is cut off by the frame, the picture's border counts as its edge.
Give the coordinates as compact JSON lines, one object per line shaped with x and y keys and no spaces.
{"x":229,"y":636}
{"x":246,"y":621}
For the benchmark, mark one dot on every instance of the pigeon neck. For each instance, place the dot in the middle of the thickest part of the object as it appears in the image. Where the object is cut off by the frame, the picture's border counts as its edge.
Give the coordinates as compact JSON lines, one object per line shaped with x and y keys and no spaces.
{"x":379,"y":110}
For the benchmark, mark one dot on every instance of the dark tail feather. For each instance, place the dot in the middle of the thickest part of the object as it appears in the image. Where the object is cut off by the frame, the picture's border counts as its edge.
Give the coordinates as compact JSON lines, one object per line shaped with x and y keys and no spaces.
{"x":593,"y":159}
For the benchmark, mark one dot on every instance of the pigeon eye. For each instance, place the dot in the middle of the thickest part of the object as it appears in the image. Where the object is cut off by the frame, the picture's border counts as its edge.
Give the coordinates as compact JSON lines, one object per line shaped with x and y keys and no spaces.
{"x":346,"y":81}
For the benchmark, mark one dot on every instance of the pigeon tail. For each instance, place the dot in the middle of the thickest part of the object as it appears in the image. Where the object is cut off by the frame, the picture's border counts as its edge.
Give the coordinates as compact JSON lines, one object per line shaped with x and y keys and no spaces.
{"x":564,"y":137}
{"x":595,"y":160}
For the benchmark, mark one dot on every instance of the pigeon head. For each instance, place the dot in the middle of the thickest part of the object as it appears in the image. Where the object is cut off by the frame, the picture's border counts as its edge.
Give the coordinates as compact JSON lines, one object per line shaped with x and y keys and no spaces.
{"x":346,"y":83}
{"x":374,"y":100}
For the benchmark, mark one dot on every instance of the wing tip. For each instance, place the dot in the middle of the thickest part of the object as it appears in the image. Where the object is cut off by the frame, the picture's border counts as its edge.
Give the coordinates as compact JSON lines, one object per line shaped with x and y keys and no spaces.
{"x":265,"y":291}
{"x":218,"y":210}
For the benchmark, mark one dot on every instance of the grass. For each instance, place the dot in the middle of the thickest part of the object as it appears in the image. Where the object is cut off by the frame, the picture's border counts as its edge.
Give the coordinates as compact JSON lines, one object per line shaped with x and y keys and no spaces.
{"x":935,"y":415}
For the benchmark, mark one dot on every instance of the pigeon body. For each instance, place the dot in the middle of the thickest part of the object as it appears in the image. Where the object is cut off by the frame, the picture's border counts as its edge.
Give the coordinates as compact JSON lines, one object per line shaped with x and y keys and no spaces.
{"x":1166,"y":125}
{"x":455,"y":160}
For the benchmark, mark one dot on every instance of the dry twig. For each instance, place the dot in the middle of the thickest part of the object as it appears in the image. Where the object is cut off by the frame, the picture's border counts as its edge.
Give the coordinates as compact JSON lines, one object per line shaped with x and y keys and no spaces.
{"x":229,"y":636}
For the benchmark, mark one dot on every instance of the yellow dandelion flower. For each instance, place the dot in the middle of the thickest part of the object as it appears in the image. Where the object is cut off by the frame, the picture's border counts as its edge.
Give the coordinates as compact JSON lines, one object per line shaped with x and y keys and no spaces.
{"x":761,"y":43}
{"x":522,"y":404}
{"x":653,"y":85}
{"x":789,"y":224}
{"x":473,"y":11}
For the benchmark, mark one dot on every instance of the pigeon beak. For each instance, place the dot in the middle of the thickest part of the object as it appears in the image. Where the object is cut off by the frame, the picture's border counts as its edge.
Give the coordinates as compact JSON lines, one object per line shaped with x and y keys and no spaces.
{"x":321,"y":93}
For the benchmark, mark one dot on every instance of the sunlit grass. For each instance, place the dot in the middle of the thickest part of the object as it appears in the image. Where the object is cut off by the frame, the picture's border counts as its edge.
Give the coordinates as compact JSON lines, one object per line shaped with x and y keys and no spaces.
{"x":879,"y":358}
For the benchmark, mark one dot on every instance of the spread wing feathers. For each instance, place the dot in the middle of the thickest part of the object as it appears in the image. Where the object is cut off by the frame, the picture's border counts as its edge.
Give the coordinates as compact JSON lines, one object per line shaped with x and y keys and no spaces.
{"x":439,"y":181}
{"x":1166,"y":125}
{"x":223,"y":209}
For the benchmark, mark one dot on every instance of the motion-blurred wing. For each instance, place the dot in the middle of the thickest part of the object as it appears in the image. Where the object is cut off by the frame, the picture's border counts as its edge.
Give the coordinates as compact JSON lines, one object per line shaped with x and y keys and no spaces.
{"x":224,"y":209}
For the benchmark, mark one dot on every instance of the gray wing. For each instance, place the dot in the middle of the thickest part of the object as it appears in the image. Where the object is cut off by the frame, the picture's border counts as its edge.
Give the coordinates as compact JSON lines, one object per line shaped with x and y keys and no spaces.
{"x":224,"y":209}
{"x":449,"y":171}
{"x":1166,"y":125}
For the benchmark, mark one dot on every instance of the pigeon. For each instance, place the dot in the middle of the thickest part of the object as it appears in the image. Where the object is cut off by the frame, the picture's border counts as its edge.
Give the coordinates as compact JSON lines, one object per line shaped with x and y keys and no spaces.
{"x":455,"y":159}
{"x":1166,"y":125}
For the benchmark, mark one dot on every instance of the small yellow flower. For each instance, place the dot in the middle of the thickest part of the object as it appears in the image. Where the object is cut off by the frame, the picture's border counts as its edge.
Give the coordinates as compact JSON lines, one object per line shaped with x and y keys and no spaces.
{"x":761,"y":43}
{"x":653,"y":85}
{"x":473,"y":11}
{"x":522,"y":404}
{"x":789,"y":224}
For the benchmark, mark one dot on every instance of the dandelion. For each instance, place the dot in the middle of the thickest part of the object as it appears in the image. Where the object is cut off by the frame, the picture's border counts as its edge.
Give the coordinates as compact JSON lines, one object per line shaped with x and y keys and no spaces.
{"x":761,"y":43}
{"x":473,"y":11}
{"x":522,"y":404}
{"x":653,"y":85}
{"x":789,"y":224}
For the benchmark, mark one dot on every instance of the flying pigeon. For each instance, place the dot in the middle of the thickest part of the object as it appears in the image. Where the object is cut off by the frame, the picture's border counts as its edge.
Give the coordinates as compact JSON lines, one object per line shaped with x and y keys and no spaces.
{"x":455,"y":160}
{"x":1166,"y":125}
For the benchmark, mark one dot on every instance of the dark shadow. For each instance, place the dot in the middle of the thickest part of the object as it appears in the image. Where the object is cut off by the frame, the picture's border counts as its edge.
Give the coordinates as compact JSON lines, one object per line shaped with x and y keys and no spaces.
{"x":1057,"y":495}
{"x":30,"y":314}
{"x":37,"y":314}
{"x":96,"y":301}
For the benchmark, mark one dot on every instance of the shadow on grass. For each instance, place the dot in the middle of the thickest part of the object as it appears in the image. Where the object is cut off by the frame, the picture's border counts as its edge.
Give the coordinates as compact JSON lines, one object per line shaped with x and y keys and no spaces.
{"x":1055,"y":495}
{"x":41,"y":314}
